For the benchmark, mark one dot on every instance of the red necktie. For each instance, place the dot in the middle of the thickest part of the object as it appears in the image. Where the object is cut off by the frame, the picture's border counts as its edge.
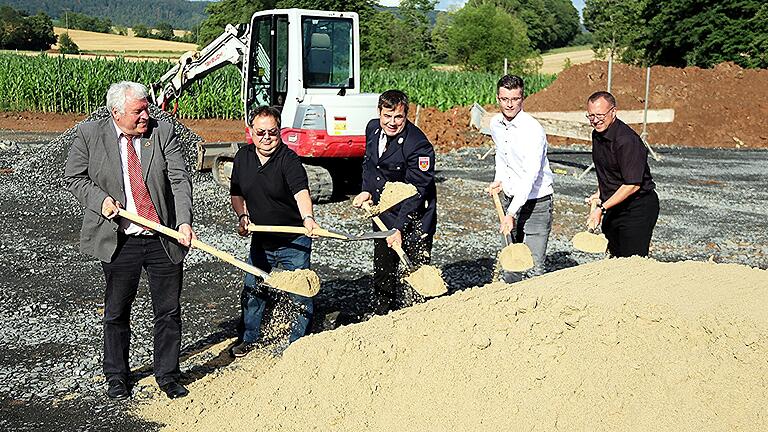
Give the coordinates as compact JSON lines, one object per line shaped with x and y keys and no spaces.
{"x":144,"y":206}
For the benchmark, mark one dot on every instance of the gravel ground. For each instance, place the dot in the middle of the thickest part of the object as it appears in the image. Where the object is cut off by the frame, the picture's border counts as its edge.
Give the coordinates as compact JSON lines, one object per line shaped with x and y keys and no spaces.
{"x":713,"y":207}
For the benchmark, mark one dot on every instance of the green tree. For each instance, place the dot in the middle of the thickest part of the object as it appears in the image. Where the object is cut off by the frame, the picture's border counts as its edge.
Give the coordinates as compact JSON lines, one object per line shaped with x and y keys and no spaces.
{"x":401,"y":39}
{"x":165,"y":31}
{"x":226,"y":12}
{"x":140,"y":30}
{"x":618,"y":28}
{"x":481,"y":37}
{"x":19,"y":31}
{"x":548,"y":23}
{"x":439,"y":37}
{"x":67,"y":45}
{"x":74,"y":20}
{"x":711,"y":33}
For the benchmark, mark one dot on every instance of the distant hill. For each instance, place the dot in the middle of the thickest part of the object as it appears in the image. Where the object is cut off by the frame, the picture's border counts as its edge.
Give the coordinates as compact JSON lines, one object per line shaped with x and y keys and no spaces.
{"x":179,"y":13}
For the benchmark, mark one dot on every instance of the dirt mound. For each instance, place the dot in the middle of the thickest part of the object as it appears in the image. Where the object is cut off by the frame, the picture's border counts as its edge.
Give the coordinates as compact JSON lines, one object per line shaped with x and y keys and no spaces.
{"x":720,"y":107}
{"x":604,"y":346}
{"x":448,"y":130}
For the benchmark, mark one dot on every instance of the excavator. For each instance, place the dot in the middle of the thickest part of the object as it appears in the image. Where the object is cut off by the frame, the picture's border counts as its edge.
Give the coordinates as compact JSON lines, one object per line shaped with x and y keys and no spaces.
{"x":304,"y":62}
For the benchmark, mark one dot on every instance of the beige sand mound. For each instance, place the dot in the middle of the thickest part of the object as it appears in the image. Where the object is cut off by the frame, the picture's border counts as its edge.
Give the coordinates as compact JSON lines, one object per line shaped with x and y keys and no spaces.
{"x":617,"y":345}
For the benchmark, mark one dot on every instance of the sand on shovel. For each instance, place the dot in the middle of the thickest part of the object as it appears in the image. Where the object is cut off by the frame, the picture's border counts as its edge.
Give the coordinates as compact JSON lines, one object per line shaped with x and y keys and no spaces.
{"x":516,"y":258}
{"x":427,"y":281}
{"x":304,"y":282}
{"x":590,"y":243}
{"x":393,"y":193}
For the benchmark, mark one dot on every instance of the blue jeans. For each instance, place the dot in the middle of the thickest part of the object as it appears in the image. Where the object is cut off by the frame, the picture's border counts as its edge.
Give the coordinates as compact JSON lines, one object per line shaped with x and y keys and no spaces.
{"x":256,"y":296}
{"x":532,"y":226}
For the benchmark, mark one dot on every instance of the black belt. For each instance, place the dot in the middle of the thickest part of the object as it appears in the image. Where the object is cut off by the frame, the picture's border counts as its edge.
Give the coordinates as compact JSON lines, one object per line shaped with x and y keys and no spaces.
{"x":533,"y":200}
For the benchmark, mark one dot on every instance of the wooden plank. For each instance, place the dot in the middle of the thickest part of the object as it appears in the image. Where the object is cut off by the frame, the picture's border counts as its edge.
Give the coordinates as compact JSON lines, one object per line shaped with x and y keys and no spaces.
{"x":628,"y":116}
{"x":570,"y":124}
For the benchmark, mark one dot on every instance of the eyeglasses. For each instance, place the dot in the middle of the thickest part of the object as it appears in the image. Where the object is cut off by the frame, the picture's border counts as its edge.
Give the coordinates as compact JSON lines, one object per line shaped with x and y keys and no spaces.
{"x":261,"y":132}
{"x":599,"y":117}
{"x":507,"y":100}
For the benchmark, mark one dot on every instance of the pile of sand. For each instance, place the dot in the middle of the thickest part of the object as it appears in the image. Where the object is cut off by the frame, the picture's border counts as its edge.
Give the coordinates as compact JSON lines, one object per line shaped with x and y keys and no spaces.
{"x":625,"y":344}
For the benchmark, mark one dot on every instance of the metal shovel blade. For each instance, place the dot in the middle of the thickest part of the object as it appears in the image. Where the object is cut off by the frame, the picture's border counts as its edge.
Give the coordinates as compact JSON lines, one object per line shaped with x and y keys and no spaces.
{"x":373,"y":235}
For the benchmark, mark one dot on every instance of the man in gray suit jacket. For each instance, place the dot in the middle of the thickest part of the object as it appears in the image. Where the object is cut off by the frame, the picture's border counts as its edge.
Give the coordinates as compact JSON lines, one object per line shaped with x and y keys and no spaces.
{"x":133,"y":161}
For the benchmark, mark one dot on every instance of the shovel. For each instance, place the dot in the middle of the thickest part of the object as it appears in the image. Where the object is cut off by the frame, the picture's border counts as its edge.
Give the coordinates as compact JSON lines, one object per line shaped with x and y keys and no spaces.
{"x":515,"y":257}
{"x":320,"y":232}
{"x":426,"y":280}
{"x":301,"y":282}
{"x":588,"y":241}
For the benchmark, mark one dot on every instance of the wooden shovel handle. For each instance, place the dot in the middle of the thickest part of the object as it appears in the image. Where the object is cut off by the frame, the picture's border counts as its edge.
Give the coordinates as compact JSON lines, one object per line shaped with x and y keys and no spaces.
{"x":293,"y":230}
{"x":154,"y":226}
{"x":497,"y":204}
{"x":592,"y":207}
{"x":396,"y":247}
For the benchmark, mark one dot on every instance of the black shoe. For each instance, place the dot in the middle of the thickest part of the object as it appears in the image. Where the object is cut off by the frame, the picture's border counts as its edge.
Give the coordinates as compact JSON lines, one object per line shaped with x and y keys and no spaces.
{"x":241,"y":349}
{"x":117,"y":389}
{"x":174,"y":390}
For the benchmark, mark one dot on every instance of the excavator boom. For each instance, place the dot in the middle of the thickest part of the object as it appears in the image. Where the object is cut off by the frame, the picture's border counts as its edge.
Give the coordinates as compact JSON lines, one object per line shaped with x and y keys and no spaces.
{"x":227,"y":49}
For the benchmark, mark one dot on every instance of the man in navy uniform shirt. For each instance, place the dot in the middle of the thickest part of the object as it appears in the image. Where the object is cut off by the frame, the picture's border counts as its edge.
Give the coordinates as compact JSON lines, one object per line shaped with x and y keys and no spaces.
{"x":398,"y":151}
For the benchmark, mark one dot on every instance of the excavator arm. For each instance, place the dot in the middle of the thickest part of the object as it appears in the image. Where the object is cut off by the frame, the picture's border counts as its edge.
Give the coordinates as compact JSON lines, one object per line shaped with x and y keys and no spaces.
{"x":229,"y":48}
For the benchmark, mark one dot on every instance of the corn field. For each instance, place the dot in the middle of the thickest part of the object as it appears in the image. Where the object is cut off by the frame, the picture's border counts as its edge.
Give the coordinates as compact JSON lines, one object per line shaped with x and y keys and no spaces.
{"x":56,"y":84}
{"x":445,"y":90}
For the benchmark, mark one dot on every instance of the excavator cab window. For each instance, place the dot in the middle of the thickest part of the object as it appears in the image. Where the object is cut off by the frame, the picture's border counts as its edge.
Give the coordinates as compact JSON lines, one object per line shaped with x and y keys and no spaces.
{"x":267,"y":73}
{"x":327,"y":56}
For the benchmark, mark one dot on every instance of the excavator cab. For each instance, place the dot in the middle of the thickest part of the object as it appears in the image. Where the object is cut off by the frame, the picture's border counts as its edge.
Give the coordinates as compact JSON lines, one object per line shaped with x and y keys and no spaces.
{"x":306,"y":63}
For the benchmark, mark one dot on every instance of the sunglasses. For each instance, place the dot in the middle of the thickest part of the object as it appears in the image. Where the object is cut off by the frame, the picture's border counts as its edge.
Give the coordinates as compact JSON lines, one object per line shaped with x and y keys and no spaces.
{"x":261,"y":132}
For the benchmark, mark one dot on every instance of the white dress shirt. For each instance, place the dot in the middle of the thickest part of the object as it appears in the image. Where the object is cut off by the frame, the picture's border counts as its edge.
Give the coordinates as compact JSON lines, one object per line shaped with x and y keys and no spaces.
{"x":127,"y":226}
{"x":522,"y":166}
{"x":382,"y":142}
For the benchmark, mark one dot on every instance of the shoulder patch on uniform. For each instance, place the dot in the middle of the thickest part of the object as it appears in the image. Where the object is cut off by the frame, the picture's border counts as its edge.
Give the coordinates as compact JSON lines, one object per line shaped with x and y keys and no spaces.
{"x":424,"y":163}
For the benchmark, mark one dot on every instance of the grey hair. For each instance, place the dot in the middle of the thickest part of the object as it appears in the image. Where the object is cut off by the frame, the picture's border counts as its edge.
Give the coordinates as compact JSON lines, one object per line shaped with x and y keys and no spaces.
{"x":602,"y":95}
{"x":120,"y":92}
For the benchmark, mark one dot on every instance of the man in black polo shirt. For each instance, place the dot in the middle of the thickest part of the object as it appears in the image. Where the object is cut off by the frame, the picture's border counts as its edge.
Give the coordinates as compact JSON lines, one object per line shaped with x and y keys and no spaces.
{"x":628,"y":204}
{"x":269,"y":187}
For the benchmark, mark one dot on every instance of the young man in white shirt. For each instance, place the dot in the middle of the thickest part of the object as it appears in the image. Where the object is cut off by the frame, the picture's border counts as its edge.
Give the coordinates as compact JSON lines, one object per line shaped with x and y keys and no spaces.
{"x":523,"y":175}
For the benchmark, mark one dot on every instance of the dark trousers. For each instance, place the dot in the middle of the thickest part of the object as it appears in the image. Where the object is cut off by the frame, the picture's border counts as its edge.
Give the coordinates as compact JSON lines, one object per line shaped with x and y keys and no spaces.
{"x":122,"y":279}
{"x":387,"y":289}
{"x":629,"y":225}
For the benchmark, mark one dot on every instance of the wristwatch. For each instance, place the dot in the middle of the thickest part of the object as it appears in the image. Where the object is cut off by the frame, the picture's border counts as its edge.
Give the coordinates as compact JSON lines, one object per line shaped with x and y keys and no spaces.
{"x":602,"y":209}
{"x":309,"y":216}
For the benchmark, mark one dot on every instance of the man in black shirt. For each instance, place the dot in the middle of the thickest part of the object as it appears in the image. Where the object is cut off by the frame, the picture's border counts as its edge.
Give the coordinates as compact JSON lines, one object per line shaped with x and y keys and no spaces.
{"x":628,"y":204}
{"x":269,"y":187}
